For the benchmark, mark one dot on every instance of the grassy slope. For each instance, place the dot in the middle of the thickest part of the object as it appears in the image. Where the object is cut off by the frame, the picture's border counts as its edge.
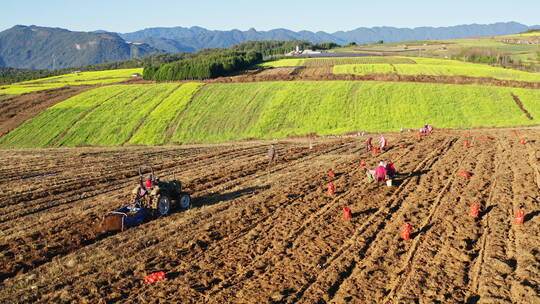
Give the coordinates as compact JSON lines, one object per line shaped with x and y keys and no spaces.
{"x":221,"y":112}
{"x":113,"y":122}
{"x":225,"y":112}
{"x":154,"y":130}
{"x":83,"y":78}
{"x":426,"y":66}
{"x":336,"y":107}
{"x":44,"y":128}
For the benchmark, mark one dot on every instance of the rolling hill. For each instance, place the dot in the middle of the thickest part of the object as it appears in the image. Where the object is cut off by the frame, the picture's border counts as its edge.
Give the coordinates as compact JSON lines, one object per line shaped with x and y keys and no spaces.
{"x":156,"y":114}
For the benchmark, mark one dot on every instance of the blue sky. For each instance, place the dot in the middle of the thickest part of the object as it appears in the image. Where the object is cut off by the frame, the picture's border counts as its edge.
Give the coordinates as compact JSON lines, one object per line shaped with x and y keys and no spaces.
{"x":328,"y":15}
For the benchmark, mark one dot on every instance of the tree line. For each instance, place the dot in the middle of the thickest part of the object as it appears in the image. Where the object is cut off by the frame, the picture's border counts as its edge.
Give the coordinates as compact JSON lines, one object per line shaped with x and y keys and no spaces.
{"x":203,"y":67}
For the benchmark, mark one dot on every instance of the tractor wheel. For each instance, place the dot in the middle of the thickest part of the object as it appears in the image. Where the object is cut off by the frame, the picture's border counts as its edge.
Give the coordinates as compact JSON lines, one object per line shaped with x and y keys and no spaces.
{"x":185,"y":201}
{"x":164,"y":205}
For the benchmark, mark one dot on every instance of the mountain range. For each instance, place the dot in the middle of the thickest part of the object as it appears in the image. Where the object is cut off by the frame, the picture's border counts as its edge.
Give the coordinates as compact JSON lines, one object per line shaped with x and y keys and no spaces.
{"x":176,"y":39}
{"x":36,"y":47}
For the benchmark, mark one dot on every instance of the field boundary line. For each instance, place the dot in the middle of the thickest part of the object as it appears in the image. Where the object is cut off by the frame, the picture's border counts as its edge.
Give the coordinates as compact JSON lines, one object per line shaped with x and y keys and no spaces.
{"x":134,"y":131}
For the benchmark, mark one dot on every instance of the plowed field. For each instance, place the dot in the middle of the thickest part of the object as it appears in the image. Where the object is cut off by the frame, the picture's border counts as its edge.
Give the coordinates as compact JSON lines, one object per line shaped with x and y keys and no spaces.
{"x":259,"y":234}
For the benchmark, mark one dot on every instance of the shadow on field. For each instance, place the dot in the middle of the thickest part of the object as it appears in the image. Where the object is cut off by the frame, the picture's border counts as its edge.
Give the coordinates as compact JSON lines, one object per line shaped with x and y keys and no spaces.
{"x":419,"y":173}
{"x":367,"y":211}
{"x":223,"y":197}
{"x":531,"y":215}
{"x":423,"y":230}
{"x":485,"y":212}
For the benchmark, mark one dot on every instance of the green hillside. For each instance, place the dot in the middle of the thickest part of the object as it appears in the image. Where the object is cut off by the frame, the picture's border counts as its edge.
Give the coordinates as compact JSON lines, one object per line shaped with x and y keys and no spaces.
{"x":192,"y":112}
{"x":82,"y":78}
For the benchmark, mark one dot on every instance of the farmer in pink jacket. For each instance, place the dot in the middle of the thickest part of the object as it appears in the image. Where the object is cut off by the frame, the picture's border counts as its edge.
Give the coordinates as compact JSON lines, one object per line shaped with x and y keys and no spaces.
{"x":380,"y":172}
{"x":383,"y":142}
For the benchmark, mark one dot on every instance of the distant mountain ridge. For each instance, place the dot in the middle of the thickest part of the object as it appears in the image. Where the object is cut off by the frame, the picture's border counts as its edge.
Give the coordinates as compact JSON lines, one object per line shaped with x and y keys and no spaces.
{"x":175,"y":39}
{"x":35,"y":47}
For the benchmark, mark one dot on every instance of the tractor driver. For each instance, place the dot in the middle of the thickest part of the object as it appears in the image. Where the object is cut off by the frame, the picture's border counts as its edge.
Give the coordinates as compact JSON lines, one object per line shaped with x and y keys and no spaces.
{"x":148,"y":183}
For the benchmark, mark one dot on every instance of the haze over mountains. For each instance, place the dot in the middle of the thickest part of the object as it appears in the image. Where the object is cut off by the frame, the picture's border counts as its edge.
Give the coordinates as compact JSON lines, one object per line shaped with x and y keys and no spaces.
{"x":48,"y":48}
{"x":175,"y":39}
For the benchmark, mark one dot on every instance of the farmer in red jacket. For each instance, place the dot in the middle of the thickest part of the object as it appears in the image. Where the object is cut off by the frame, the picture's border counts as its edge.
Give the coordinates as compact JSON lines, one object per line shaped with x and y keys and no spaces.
{"x":380,"y":172}
{"x":390,"y":169}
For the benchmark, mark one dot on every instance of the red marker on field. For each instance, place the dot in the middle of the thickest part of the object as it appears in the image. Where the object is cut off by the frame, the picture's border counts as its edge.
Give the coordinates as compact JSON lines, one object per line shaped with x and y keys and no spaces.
{"x":473,"y":211}
{"x":466,"y":144}
{"x":519,"y":218}
{"x":464,"y":174}
{"x":331,"y":189}
{"x":331,"y":174}
{"x":523,"y":141}
{"x":347,"y":213}
{"x":156,"y":276}
{"x":406,"y":231}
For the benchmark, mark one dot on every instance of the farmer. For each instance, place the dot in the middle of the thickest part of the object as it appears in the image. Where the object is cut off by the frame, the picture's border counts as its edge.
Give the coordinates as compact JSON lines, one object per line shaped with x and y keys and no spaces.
{"x":271,"y":154}
{"x":148,"y":182}
{"x":390,"y":169}
{"x":380,"y":172}
{"x":383,"y":142}
{"x":368,"y":144}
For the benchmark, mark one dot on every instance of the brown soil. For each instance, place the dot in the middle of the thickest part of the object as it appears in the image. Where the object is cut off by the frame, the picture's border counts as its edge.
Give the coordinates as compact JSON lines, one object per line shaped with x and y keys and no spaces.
{"x":273,"y":235}
{"x":325,"y":74}
{"x":16,"y":110}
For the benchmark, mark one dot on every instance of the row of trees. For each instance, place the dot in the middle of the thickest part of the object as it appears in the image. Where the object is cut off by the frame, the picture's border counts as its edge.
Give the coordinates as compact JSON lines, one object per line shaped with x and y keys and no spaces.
{"x":271,"y":47}
{"x":275,"y":47}
{"x":10,"y":75}
{"x":203,"y":67}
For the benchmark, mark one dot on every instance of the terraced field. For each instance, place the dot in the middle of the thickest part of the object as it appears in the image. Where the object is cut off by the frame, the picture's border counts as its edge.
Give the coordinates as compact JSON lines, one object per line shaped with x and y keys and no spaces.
{"x":328,"y":62}
{"x":193,"y":112}
{"x":273,"y":235}
{"x":438,"y":67}
{"x":401,"y":66}
{"x":82,"y":78}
